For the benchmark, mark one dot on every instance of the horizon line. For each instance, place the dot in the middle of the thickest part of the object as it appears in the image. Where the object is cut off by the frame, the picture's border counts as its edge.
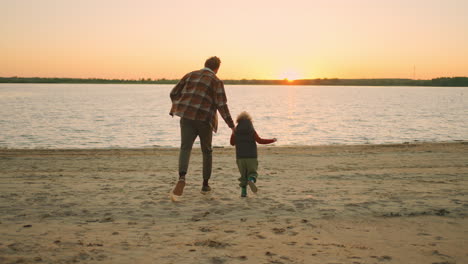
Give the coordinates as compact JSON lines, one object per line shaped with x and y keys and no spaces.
{"x":230,"y":79}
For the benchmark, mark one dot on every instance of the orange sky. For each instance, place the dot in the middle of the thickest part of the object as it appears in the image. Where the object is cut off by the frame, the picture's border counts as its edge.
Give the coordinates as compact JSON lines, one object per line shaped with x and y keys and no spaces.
{"x":255,"y":39}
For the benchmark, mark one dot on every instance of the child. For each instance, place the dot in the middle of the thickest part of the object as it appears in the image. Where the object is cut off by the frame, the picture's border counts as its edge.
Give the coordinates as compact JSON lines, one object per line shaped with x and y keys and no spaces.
{"x":244,"y":139}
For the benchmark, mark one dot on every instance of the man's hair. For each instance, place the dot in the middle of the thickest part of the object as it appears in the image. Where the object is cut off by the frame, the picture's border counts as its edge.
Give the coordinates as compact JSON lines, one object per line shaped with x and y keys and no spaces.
{"x":244,"y":116}
{"x":213,"y":63}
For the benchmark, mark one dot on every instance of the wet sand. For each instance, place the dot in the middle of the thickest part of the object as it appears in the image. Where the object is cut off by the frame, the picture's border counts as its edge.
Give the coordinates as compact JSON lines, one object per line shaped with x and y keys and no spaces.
{"x":323,"y":204}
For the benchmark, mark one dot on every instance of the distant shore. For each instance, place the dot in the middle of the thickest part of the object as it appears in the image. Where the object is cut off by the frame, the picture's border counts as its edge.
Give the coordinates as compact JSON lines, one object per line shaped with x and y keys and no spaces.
{"x":397,"y":203}
{"x":442,"y":81}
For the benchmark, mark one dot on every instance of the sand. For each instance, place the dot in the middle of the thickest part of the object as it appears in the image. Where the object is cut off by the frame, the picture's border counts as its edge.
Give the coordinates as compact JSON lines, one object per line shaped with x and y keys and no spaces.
{"x":323,"y":204}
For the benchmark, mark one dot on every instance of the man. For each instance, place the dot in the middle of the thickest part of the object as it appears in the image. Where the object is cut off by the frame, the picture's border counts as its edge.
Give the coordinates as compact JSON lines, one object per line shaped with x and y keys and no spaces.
{"x":196,"y":99}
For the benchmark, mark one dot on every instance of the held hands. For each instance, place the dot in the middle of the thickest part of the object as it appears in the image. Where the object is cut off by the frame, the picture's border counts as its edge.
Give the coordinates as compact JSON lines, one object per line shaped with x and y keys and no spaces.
{"x":275,"y":139}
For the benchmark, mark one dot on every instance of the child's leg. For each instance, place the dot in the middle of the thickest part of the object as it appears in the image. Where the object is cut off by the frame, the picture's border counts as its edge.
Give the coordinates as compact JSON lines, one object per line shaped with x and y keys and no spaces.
{"x":252,"y":166}
{"x":243,"y":177}
{"x":243,"y":172}
{"x":244,"y":191}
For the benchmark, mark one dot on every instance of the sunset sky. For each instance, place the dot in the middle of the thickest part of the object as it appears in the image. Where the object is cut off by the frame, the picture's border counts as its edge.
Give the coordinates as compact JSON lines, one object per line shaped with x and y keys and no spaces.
{"x":255,"y":39}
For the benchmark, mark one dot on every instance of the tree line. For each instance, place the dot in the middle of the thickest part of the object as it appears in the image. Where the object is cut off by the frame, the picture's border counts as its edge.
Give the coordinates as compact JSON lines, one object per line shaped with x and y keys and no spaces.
{"x":443,"y":81}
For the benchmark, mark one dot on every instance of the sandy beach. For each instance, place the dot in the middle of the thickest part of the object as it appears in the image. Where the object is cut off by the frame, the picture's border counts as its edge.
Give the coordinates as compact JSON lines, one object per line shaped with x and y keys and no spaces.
{"x":403,"y":203}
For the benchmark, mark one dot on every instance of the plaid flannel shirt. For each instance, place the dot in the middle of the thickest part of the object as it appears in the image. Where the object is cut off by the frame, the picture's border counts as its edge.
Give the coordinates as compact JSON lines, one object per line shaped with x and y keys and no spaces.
{"x":198,"y":96}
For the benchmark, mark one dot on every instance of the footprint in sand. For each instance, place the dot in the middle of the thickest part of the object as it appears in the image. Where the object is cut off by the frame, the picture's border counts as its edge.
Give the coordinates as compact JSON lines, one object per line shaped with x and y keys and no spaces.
{"x":382,"y":258}
{"x":205,"y":229}
{"x":424,"y":234}
{"x":199,"y":217}
{"x":212,"y":244}
{"x":278,"y":231}
{"x":217,"y":260}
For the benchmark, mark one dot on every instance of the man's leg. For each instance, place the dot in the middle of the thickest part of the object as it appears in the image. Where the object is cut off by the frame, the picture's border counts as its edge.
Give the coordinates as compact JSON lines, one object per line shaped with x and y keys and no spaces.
{"x":188,"y":134}
{"x":206,"y":137}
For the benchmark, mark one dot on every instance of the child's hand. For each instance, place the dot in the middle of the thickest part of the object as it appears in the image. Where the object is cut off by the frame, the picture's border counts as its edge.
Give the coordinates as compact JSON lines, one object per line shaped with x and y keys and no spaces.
{"x":275,"y":139}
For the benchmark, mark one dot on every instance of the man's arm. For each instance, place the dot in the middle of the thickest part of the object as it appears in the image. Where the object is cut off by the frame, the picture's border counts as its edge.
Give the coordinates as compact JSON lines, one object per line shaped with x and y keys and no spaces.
{"x":233,"y":139}
{"x":176,"y":92}
{"x":221,"y":104}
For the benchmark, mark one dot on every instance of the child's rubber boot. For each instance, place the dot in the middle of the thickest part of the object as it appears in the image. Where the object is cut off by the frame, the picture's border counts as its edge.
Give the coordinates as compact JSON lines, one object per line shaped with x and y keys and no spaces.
{"x":244,"y":191}
{"x":251,"y":183}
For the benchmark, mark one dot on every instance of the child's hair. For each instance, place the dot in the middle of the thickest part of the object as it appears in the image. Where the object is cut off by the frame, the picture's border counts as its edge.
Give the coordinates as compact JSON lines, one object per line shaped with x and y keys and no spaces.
{"x":244,"y":116}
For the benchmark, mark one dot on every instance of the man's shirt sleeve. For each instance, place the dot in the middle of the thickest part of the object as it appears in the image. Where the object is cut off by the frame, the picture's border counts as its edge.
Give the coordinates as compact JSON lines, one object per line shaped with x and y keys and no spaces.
{"x":176,"y":92}
{"x":221,"y":104}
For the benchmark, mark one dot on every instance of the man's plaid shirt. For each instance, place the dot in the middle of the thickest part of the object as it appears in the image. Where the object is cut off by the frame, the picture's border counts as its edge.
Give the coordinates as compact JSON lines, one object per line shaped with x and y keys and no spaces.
{"x":198,"y":96}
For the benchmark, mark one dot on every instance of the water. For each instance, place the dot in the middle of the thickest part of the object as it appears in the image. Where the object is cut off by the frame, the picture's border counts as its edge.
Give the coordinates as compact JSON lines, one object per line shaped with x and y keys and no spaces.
{"x":134,"y":116}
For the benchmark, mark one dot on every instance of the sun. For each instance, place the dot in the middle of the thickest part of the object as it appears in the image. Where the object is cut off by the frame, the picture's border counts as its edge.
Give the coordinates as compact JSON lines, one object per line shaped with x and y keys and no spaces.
{"x":290,"y":75}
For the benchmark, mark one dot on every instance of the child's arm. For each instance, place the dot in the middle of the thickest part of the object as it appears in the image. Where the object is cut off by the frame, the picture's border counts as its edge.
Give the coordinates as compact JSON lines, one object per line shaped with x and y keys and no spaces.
{"x":233,"y":139}
{"x":262,"y":140}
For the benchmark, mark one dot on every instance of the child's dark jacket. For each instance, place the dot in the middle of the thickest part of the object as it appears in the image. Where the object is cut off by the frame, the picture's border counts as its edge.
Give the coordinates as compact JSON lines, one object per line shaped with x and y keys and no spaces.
{"x":245,"y":139}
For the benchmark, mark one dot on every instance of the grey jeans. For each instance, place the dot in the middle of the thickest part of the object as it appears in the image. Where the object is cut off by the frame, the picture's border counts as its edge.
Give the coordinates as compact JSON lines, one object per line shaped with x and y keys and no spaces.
{"x":189,"y":130}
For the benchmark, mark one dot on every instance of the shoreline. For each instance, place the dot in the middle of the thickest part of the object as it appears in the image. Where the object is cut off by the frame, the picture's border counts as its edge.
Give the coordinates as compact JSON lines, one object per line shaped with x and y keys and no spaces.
{"x":398,"y":203}
{"x":156,"y":147}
